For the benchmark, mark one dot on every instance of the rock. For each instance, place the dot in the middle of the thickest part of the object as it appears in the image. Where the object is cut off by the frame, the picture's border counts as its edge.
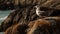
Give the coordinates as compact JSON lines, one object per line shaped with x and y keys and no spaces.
{"x":20,"y":15}
{"x":23,"y":20}
{"x":12,"y":4}
{"x":17,"y":29}
{"x":40,"y":26}
{"x":9,"y":30}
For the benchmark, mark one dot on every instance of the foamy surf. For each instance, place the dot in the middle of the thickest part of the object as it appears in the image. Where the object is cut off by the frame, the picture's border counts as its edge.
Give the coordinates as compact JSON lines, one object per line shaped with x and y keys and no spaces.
{"x":3,"y":18}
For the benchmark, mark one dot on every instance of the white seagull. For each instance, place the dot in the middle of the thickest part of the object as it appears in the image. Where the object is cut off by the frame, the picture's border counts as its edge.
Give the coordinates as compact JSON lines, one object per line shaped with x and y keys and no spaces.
{"x":38,"y":11}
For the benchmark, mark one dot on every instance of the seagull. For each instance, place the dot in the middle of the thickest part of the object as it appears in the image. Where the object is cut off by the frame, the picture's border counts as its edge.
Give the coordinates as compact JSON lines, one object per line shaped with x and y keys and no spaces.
{"x":43,"y":13}
{"x":38,"y":11}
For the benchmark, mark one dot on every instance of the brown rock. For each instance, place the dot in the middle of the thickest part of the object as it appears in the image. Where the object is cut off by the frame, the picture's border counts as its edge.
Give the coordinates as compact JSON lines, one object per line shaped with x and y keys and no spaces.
{"x":24,"y":3}
{"x":42,"y":26}
{"x":22,"y":15}
{"x":25,"y":21}
{"x":17,"y":29}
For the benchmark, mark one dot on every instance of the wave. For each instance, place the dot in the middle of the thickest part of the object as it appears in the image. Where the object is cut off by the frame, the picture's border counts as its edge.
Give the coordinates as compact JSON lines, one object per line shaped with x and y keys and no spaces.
{"x":3,"y":18}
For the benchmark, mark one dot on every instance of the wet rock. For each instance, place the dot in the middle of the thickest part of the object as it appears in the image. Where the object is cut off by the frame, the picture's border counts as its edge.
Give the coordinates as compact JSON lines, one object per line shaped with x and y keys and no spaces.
{"x":17,"y":29}
{"x":23,"y":15}
{"x":40,"y":26}
{"x":12,"y":4}
{"x":23,"y":20}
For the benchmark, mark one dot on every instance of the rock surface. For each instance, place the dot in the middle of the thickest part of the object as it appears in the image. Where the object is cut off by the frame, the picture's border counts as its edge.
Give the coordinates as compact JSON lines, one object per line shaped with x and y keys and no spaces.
{"x":40,"y":26}
{"x":23,"y":20}
{"x":12,"y":4}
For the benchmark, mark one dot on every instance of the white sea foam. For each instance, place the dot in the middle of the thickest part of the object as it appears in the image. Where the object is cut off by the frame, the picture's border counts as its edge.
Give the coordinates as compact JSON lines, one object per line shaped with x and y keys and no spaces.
{"x":3,"y":18}
{"x":1,"y":32}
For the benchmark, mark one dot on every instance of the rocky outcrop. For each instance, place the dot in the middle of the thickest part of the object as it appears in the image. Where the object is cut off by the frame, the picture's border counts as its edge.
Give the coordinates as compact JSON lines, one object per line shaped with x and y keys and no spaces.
{"x":17,"y":29}
{"x":40,"y":26}
{"x":23,"y":20}
{"x":12,"y":4}
{"x":6,"y":5}
{"x":23,"y":15}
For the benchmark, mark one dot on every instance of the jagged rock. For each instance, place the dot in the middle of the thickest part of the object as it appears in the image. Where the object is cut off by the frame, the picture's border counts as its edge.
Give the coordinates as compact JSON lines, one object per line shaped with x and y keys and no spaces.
{"x":24,"y":13}
{"x":9,"y":30}
{"x":12,"y":4}
{"x":40,"y":26}
{"x":17,"y":29}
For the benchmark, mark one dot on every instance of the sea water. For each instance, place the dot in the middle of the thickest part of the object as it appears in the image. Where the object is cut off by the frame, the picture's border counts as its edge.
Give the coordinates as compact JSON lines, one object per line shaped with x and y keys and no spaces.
{"x":3,"y":16}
